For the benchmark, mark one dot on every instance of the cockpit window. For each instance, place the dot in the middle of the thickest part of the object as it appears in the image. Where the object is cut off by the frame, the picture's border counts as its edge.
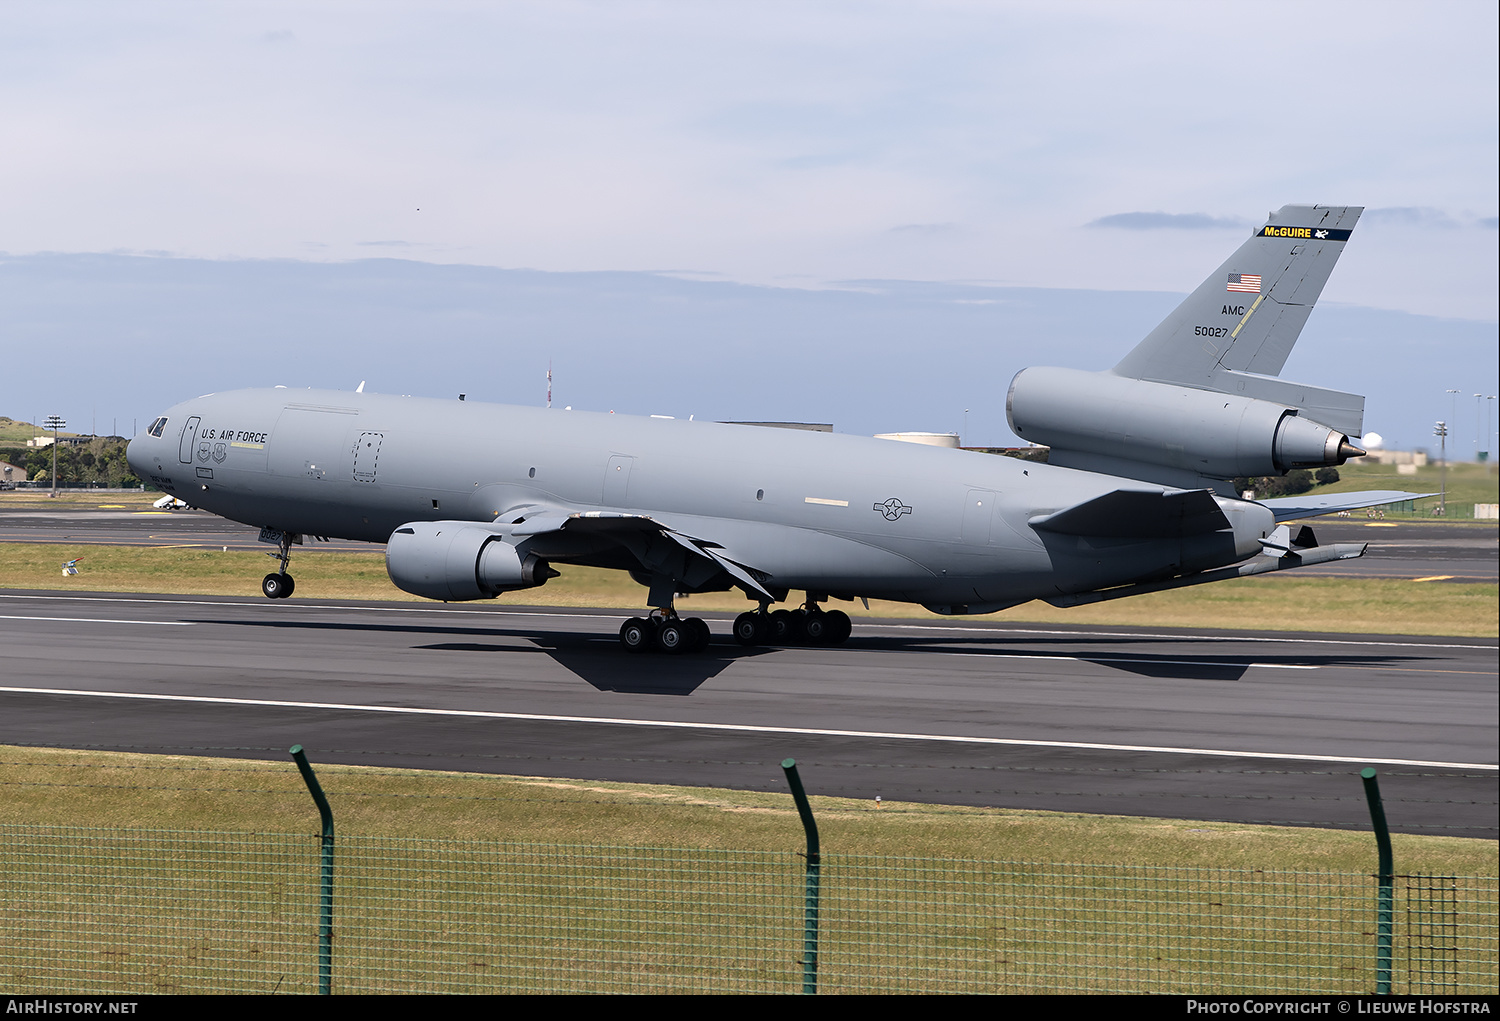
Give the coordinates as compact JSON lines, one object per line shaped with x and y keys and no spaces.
{"x":155,"y":429}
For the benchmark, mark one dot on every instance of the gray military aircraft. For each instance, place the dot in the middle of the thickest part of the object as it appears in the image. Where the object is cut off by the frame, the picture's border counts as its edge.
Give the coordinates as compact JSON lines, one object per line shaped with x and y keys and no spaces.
{"x":473,"y":499}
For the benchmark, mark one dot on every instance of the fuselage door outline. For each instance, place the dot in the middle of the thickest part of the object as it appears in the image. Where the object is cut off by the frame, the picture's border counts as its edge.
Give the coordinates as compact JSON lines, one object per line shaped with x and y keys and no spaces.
{"x":189,"y":437}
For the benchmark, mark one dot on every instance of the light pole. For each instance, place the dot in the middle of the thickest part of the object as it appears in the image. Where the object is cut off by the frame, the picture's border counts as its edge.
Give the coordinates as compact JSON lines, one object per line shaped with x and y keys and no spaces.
{"x":1485,"y":453}
{"x":1478,"y":437}
{"x":54,"y":423}
{"x":1453,"y":405}
{"x":1441,"y":432}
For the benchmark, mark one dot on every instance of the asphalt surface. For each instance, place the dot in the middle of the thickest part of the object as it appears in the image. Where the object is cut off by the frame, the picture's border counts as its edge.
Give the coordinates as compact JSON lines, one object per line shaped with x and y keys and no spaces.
{"x":1192,"y":725}
{"x":1435,"y":552}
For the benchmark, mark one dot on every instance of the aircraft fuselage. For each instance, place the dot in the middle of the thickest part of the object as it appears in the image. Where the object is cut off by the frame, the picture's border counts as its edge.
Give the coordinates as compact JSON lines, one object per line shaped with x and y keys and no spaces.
{"x":832,"y":514}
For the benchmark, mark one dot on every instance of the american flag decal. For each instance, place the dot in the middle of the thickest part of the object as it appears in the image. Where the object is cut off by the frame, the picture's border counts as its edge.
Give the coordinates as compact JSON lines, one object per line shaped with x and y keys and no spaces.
{"x":1249,"y":283}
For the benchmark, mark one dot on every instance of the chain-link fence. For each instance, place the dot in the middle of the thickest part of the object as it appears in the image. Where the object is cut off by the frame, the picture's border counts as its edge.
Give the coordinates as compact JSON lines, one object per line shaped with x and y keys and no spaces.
{"x":151,"y":911}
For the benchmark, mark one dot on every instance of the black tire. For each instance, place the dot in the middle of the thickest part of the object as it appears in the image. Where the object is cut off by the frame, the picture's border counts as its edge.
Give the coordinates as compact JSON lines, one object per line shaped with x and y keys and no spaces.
{"x":273,"y":586}
{"x":701,"y":633}
{"x":796,"y":632}
{"x":636,"y":634}
{"x":291,"y":586}
{"x":750,"y":628}
{"x":839,"y":627}
{"x":780,"y":631}
{"x":814,"y":627}
{"x":673,"y":637}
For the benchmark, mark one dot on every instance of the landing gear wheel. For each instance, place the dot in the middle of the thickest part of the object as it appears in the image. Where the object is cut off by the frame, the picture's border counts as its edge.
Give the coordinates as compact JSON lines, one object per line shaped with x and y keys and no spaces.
{"x":796,"y":632}
{"x":277,"y":586}
{"x":814,"y":627}
{"x":636,"y":634}
{"x":837,"y":627}
{"x":673,"y":637}
{"x":751,"y":628}
{"x":780,"y":627}
{"x":700,"y":632}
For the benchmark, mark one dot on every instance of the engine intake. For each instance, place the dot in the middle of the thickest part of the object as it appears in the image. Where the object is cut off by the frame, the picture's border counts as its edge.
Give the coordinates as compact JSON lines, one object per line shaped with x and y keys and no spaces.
{"x":1220,"y":435}
{"x":457,"y":560}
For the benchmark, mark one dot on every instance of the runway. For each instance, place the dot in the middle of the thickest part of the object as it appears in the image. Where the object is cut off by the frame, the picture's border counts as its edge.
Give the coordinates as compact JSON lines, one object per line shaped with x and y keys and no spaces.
{"x":1191,"y":725}
{"x":1436,"y":552}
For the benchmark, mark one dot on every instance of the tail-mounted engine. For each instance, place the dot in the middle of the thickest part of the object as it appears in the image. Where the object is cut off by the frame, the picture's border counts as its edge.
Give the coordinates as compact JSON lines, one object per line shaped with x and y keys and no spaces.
{"x":1220,"y":435}
{"x":455,"y":560}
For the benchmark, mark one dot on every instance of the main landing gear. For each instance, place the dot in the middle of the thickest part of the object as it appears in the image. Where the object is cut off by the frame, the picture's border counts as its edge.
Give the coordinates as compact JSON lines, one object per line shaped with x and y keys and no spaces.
{"x":665,"y":632}
{"x":807,"y":625}
{"x":279,"y":584}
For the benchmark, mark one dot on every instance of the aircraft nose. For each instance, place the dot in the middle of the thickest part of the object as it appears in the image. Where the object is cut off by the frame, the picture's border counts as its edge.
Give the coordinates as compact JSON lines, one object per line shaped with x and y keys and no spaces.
{"x":142,"y":452}
{"x":135,"y":454}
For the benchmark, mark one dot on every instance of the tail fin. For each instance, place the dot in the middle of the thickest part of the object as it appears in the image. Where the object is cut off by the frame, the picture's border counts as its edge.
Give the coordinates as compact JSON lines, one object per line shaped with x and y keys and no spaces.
{"x":1198,"y":401}
{"x":1248,"y":314}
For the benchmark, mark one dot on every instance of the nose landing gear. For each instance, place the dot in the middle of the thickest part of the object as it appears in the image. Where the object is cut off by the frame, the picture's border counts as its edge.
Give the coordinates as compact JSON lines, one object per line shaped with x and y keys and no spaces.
{"x":279,"y":584}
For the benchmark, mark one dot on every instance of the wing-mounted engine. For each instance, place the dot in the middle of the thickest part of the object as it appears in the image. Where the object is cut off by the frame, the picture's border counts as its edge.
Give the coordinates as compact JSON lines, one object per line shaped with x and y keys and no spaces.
{"x":1092,"y":420}
{"x":456,"y":560}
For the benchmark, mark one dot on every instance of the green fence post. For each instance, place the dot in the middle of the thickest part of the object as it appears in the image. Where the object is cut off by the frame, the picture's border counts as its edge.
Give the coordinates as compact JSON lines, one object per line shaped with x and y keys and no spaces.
{"x":810,"y":892}
{"x":325,"y":913}
{"x":1386,"y":899}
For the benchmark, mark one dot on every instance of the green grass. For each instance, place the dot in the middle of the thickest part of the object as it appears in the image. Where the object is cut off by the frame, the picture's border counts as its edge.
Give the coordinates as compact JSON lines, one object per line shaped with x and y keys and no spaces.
{"x":77,"y":499}
{"x":1280,"y":603}
{"x":1468,"y":484}
{"x":162,"y":874}
{"x":58,"y":787}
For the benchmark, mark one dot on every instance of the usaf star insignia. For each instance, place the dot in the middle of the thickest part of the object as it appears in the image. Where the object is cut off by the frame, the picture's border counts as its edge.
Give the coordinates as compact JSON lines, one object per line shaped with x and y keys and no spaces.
{"x":892,"y":509}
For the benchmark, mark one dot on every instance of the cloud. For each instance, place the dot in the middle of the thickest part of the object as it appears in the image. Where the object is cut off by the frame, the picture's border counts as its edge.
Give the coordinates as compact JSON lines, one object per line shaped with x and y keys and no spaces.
{"x":1166,"y":221}
{"x":924,"y":228}
{"x":386,"y":244}
{"x":281,"y":35}
{"x":1490,"y":222}
{"x":1410,"y":216}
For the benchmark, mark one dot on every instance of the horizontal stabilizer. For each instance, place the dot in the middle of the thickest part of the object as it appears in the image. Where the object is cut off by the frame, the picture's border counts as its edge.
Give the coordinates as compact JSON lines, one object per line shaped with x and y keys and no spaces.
{"x":1134,"y":513}
{"x":1342,"y":411}
{"x":1290,"y":508}
{"x":1288,"y":556}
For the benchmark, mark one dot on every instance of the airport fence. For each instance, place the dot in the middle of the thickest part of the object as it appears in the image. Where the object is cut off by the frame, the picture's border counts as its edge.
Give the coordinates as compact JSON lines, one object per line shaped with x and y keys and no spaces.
{"x":137,"y":911}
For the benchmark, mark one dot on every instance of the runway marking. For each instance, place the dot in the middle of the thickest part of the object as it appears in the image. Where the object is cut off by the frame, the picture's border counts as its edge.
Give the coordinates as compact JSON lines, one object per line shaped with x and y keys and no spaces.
{"x":100,"y":620}
{"x":878,"y":623}
{"x":741,"y":728}
{"x":1435,"y":577}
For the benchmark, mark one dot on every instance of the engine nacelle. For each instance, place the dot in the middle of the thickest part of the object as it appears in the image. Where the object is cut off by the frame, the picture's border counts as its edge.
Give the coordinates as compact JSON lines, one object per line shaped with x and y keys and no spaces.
{"x":1216,"y":434}
{"x":456,"y":560}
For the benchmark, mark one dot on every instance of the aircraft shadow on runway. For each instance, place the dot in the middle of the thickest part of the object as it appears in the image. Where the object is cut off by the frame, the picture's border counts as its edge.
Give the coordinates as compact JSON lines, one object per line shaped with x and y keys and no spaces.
{"x":1150,"y":664}
{"x":598,"y":659}
{"x":602,"y":663}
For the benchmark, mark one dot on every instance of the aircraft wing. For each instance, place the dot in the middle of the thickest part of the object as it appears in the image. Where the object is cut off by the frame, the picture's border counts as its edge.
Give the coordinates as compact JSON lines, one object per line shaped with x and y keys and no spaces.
{"x":652,"y":542}
{"x":1290,"y":508}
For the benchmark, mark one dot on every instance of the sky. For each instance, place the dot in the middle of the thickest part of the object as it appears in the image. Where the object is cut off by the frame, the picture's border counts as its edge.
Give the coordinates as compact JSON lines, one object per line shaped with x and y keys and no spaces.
{"x":819,"y":146}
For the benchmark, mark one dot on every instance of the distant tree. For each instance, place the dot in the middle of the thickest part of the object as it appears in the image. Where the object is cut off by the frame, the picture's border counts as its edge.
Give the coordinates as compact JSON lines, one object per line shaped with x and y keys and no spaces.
{"x":1265,"y":487}
{"x":1327,"y":476}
